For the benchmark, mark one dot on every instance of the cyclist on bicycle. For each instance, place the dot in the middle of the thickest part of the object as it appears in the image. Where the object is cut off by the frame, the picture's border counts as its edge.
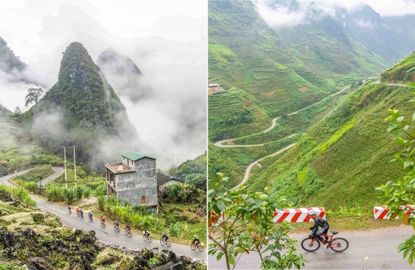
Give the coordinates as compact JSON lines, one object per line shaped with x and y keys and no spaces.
{"x":196,"y":241}
{"x":90,"y":216}
{"x":69,"y":209}
{"x":128,"y":229}
{"x":102,"y":220}
{"x":146,"y":232}
{"x":320,"y":227}
{"x":81,"y":212}
{"x":165,"y":237}
{"x":116,"y":225}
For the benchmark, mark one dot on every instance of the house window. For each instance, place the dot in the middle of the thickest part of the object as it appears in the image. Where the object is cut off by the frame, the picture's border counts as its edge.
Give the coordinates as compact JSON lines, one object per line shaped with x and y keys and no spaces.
{"x":143,"y":199}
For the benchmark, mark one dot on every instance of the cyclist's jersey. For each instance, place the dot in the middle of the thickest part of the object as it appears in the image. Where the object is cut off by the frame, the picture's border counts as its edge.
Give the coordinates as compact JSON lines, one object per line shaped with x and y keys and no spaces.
{"x":320,"y":223}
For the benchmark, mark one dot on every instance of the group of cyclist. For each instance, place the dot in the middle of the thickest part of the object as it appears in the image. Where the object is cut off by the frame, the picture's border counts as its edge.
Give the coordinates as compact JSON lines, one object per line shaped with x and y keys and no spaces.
{"x":146,"y":234}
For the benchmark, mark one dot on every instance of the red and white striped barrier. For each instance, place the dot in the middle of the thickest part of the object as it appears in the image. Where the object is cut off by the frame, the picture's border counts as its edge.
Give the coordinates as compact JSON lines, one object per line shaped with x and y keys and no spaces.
{"x":381,"y":212}
{"x":297,"y":215}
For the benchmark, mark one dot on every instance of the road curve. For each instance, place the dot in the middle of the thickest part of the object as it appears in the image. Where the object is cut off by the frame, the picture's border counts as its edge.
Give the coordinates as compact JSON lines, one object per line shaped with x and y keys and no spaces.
{"x":223,"y":143}
{"x":256,"y":162}
{"x":373,"y":249}
{"x":104,"y":234}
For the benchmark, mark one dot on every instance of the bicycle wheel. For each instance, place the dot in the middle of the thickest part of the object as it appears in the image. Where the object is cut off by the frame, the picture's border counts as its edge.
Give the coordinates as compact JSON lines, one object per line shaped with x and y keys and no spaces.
{"x":193,"y":246}
{"x":201,"y":248}
{"x":310,"y":244}
{"x":339,"y":244}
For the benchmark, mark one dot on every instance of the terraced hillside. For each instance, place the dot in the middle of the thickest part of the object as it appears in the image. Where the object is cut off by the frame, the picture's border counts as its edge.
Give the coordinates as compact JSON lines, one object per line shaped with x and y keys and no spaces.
{"x":342,"y":158}
{"x":245,"y":53}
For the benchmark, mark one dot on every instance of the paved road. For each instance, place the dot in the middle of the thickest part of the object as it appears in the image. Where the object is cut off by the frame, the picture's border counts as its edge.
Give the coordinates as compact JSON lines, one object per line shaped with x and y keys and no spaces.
{"x":104,"y":234}
{"x":256,"y":162}
{"x":375,"y":249}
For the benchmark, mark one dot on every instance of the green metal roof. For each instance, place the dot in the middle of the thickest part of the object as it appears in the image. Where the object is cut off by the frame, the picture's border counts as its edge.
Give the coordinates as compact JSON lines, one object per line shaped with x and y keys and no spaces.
{"x":132,"y":155}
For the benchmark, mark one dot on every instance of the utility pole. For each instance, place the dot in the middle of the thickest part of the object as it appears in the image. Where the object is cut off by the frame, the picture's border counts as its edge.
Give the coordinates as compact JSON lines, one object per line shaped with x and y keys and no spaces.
{"x":64,"y":164}
{"x":74,"y":163}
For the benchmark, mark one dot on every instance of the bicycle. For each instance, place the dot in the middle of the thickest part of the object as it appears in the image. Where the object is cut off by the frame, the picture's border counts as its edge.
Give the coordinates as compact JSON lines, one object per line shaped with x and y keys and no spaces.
{"x":116,"y":228}
{"x":165,"y":242}
{"x":198,"y":245}
{"x":312,"y":244}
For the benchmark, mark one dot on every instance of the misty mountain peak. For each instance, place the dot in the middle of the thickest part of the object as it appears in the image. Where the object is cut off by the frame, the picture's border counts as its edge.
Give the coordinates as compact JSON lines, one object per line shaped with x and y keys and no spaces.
{"x":82,"y":92}
{"x":367,"y":14}
{"x":9,"y":62}
{"x":120,"y":63}
{"x":76,"y":64}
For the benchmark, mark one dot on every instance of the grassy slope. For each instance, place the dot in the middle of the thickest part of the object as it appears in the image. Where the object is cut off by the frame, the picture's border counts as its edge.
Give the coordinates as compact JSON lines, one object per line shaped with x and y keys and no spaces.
{"x":342,"y":158}
{"x":245,"y":53}
{"x":326,"y":47}
{"x":18,"y":150}
{"x":403,"y":71}
{"x":230,"y":110}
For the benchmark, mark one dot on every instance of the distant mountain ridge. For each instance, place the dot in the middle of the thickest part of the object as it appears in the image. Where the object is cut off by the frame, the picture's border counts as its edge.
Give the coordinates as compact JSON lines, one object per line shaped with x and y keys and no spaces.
{"x":9,"y":62}
{"x":124,"y":75}
{"x":389,"y":37}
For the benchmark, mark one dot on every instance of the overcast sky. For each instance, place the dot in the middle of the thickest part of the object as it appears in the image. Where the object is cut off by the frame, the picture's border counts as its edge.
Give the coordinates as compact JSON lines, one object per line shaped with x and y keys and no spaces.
{"x":166,"y":39}
{"x":284,"y":17}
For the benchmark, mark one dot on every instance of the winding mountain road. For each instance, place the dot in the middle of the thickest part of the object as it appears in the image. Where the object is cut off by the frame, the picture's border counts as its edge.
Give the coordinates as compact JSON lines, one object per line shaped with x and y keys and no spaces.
{"x":247,"y":173}
{"x":374,"y":249}
{"x":104,"y":234}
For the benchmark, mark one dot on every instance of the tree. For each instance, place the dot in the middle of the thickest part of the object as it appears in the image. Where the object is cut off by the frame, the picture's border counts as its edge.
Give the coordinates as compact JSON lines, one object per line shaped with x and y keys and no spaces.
{"x":401,"y":192}
{"x":248,"y":227}
{"x":33,"y":95}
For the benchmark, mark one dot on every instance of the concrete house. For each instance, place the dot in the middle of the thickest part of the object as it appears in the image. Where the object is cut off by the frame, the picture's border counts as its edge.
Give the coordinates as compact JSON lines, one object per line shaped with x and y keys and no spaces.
{"x":164,"y":181}
{"x":133,"y":180}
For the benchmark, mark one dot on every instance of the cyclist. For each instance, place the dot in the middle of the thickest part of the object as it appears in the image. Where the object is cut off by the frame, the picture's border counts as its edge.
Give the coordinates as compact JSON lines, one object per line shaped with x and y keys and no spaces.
{"x":81,"y":213}
{"x":69,"y":209}
{"x":128,"y":229}
{"x":320,"y":227}
{"x":165,"y":237}
{"x":90,"y":216}
{"x":116,"y":225}
{"x":146,"y":233}
{"x":102,"y":218}
{"x":196,"y":241}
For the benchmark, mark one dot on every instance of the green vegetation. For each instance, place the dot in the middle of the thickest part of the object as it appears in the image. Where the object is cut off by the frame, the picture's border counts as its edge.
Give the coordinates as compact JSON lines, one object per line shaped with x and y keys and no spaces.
{"x":30,"y":180}
{"x":30,"y":239}
{"x":400,"y":192}
{"x":180,"y":221}
{"x":18,"y":193}
{"x":249,"y":228}
{"x":344,"y":153}
{"x":404,"y":71}
{"x":192,"y":171}
{"x":233,"y":112}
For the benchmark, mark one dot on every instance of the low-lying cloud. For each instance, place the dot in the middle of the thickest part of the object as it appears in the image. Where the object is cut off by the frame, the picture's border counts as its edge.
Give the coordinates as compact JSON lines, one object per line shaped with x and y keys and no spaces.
{"x":292,"y":12}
